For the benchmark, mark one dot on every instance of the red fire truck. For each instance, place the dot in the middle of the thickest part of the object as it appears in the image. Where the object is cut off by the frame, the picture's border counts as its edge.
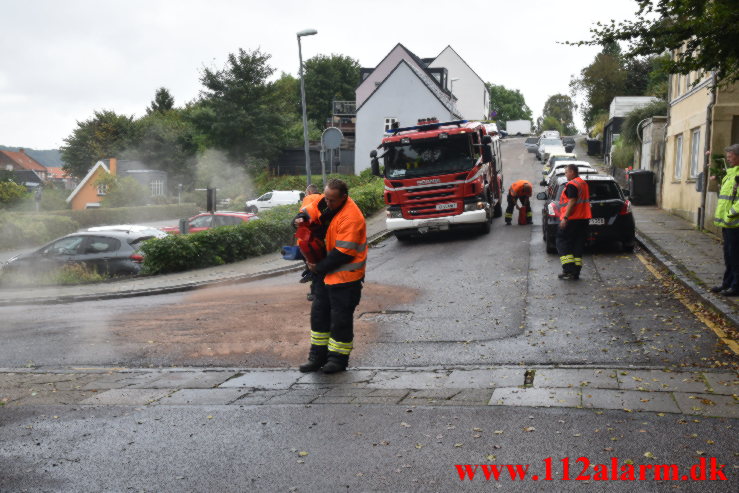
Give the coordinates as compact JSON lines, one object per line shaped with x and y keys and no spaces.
{"x":441,"y":175}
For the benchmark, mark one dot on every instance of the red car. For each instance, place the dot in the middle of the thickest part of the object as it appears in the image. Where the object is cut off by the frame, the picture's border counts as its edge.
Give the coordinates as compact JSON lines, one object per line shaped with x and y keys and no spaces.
{"x":206,"y":220}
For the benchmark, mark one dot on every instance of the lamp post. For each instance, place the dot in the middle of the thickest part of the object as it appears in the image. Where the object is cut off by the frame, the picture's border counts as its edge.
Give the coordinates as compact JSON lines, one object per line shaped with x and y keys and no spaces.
{"x":304,"y":32}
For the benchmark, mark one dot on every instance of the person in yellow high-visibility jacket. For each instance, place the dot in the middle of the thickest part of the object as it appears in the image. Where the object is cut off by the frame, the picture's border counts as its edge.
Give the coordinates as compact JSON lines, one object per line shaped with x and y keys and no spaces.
{"x":338,"y":277}
{"x":727,"y":218}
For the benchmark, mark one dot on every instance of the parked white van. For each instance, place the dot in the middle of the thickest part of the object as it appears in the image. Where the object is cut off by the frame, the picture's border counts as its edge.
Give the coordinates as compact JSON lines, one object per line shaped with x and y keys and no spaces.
{"x":273,"y":199}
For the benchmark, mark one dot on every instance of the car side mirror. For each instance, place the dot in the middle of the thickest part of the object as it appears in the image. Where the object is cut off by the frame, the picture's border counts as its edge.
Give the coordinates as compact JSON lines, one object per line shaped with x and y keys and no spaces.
{"x":543,"y":183}
{"x":627,"y":192}
{"x":541,"y":195}
{"x":375,"y":163}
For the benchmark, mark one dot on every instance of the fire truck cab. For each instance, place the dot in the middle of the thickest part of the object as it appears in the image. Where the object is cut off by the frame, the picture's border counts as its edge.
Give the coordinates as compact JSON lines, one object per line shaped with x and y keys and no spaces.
{"x":440,"y":175}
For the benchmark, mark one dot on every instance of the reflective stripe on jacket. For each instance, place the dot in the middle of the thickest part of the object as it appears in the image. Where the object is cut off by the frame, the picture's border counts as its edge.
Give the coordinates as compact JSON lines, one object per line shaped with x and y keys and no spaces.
{"x":516,"y":189}
{"x":582,"y":202}
{"x":727,"y":208}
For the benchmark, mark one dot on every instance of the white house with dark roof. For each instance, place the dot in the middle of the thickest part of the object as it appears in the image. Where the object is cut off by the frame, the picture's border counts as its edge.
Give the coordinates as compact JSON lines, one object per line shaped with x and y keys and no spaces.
{"x":473,"y":99}
{"x":403,"y":88}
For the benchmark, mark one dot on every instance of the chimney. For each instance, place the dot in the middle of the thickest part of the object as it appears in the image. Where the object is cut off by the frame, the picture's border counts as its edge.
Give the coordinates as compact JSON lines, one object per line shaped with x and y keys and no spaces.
{"x":113,"y":166}
{"x":21,"y":150}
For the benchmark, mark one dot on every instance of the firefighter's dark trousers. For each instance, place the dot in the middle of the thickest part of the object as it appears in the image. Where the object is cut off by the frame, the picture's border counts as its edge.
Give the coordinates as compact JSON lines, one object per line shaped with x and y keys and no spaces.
{"x":512,"y":205}
{"x":332,"y":315}
{"x":571,"y":243}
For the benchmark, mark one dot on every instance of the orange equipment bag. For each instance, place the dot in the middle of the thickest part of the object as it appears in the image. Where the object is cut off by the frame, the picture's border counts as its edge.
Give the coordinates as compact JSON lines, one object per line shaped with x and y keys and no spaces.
{"x":312,"y":247}
{"x":522,"y":215}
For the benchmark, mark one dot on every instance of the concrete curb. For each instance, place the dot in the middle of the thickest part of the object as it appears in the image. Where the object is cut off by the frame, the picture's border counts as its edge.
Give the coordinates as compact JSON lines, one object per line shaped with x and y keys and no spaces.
{"x":682,"y":274}
{"x":178,"y":288}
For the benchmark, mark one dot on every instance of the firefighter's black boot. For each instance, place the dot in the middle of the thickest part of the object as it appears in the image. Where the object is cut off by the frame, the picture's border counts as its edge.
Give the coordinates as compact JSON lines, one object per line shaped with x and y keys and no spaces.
{"x":336,"y":362}
{"x":317,"y":357}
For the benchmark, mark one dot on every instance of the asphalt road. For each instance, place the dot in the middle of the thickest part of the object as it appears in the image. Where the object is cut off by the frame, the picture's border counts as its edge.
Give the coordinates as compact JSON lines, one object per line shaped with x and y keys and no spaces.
{"x":443,"y":301}
{"x":347,"y":448}
{"x":452,"y":299}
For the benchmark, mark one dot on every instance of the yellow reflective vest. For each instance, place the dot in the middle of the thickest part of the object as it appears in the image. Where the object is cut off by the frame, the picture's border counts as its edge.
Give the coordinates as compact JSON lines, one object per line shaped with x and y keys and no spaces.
{"x":727,"y":209}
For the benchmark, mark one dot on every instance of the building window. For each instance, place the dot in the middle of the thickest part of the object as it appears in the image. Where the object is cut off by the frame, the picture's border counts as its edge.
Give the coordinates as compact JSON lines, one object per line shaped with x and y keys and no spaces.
{"x":157,"y":187}
{"x":102,"y":189}
{"x":695,"y":152}
{"x":389,"y":123}
{"x":678,"y":157}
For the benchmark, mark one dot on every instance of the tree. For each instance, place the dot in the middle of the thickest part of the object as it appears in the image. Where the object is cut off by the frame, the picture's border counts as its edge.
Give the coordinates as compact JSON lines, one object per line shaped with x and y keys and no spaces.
{"x":704,"y":35}
{"x":167,"y":142}
{"x":122,"y":192}
{"x":327,"y":79}
{"x":630,"y":132}
{"x":559,"y":107}
{"x":601,"y":81}
{"x":11,"y":193}
{"x":163,"y":102}
{"x":239,"y":111}
{"x":104,"y":135}
{"x":507,"y":104}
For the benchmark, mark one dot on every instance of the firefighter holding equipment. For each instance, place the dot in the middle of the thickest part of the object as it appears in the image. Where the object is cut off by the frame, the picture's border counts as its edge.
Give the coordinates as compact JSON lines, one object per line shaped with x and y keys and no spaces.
{"x":338,"y":277}
{"x":574,"y":217}
{"x":520,"y":190}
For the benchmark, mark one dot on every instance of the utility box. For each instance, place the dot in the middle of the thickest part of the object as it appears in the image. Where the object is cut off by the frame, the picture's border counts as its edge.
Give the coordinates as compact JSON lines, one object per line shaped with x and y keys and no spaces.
{"x":643,"y":188}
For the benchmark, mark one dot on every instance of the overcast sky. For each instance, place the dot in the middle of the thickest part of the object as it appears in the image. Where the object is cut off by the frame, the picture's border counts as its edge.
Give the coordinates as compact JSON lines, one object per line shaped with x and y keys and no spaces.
{"x":64,"y":59}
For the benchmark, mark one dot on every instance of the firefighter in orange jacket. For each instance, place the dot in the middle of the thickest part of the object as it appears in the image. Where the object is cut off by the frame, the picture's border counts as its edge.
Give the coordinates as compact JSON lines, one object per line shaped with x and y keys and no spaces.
{"x":574,"y":217}
{"x":311,"y":195}
{"x":339,"y":277}
{"x":520,"y":190}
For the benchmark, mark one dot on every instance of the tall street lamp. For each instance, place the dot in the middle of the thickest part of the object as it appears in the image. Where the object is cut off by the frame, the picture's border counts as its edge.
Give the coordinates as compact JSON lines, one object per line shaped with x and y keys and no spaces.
{"x":304,"y":32}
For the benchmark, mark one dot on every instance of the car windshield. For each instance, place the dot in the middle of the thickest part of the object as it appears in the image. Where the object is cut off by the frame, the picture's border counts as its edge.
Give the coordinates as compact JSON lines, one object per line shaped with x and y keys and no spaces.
{"x":551,"y":142}
{"x":429,"y":157}
{"x":532,"y":140}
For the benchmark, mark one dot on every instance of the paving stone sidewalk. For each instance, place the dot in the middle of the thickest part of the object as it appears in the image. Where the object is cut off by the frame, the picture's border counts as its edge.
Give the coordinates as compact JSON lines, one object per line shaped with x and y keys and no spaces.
{"x":700,"y":393}
{"x":694,"y":257}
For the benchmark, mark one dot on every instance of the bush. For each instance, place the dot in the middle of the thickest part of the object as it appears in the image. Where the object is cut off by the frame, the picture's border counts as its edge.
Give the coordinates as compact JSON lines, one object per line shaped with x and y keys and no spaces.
{"x":264,"y":182}
{"x":622,"y":155}
{"x":228,"y":244}
{"x":19,"y":230}
{"x":66,"y":275}
{"x":127,"y":215}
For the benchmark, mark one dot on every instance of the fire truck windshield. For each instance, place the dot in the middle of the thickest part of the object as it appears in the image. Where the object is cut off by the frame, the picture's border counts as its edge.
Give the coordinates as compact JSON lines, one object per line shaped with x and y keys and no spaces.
{"x":429,"y":157}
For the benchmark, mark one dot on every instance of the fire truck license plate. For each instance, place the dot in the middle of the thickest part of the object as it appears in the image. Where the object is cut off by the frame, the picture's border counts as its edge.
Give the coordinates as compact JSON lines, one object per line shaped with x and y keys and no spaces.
{"x":597,"y":221}
{"x":441,"y":207}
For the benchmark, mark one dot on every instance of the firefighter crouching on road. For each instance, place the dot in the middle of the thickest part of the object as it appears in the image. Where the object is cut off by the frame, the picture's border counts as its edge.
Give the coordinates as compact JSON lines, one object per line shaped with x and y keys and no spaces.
{"x":574,"y":217}
{"x":338,"y":277}
{"x":520,"y":190}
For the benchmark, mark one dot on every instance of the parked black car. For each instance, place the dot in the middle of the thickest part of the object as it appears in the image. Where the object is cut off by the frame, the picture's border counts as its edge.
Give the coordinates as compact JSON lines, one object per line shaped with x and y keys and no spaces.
{"x":612,"y":219}
{"x":568,"y":143}
{"x":108,"y":252}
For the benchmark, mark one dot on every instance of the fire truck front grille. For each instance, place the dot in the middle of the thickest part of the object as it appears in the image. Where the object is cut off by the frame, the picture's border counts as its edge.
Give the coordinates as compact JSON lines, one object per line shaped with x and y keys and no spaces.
{"x":431,"y":196}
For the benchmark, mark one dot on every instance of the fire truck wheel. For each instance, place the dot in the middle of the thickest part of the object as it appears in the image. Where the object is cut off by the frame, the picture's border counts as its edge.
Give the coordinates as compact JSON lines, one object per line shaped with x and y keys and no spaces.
{"x":498,"y":210}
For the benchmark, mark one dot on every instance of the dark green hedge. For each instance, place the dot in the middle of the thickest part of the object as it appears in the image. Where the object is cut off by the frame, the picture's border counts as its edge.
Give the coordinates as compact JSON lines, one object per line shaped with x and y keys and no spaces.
{"x":227,"y":244}
{"x":26,"y":230}
{"x":128,"y":215}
